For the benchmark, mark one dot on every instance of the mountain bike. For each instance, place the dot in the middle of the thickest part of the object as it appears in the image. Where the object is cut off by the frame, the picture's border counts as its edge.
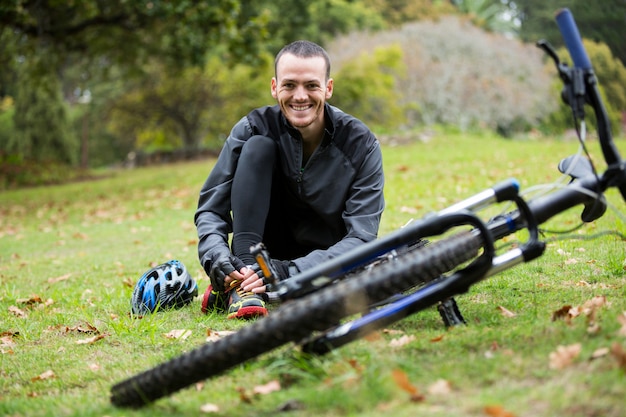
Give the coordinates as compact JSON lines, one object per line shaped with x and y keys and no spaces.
{"x":388,"y":279}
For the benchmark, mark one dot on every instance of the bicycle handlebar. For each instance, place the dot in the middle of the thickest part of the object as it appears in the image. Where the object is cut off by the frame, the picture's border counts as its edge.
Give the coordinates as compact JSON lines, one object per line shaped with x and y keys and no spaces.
{"x":573,"y":41}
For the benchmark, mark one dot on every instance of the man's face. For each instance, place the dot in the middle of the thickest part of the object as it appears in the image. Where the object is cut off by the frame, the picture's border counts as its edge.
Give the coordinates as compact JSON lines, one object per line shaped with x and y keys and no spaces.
{"x":301,"y":89}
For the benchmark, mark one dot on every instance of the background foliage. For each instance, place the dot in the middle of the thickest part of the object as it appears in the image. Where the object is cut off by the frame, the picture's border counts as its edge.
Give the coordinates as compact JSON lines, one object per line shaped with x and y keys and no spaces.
{"x":86,"y":83}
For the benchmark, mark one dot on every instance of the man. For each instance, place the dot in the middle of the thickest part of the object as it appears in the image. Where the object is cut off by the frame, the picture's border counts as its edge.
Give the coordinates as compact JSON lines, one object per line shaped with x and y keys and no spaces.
{"x":302,"y":177}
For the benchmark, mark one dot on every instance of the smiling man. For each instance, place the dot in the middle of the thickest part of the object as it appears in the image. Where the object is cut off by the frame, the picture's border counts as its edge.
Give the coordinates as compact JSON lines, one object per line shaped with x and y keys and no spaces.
{"x":303,"y":177}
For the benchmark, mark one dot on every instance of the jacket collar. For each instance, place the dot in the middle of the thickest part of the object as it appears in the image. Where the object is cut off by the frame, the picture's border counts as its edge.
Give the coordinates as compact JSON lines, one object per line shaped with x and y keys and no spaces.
{"x":329,"y":125}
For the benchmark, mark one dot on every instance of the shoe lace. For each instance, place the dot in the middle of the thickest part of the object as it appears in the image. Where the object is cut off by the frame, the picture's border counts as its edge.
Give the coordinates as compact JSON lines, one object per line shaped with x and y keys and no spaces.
{"x":241,"y":293}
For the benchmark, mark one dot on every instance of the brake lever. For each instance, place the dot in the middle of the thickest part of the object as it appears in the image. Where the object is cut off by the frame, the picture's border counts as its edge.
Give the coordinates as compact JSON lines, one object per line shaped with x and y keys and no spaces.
{"x":576,"y":167}
{"x":573,"y":93}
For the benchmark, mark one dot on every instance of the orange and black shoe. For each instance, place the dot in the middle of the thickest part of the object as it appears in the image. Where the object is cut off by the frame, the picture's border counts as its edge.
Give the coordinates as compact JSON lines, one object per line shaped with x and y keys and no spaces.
{"x":245,"y":305}
{"x":214,"y":301}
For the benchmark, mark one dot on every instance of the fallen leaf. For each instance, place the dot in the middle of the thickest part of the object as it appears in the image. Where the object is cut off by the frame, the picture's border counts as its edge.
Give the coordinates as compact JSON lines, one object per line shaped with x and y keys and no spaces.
{"x":243,"y":396}
{"x":619,"y":354}
{"x":181,"y":334}
{"x":622,"y":321}
{"x":271,"y":386}
{"x":564,"y":356}
{"x":402,"y":381}
{"x":598,"y":353}
{"x":440,"y":387}
{"x":85,"y":327}
{"x":437,"y":339}
{"x":18,"y":312}
{"x":7,"y":344}
{"x":213,"y":335}
{"x":90,"y":340}
{"x":593,"y":328}
{"x":94,"y":367}
{"x":497,"y":411}
{"x":49,"y":374}
{"x":32,"y":300}
{"x":209,"y":408}
{"x":355,"y":365}
{"x":562,"y":313}
{"x":401,"y":341}
{"x":505,"y":312}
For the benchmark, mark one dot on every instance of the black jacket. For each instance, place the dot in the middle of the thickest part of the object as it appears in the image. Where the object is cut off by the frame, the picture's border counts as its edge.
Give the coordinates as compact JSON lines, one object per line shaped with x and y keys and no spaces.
{"x":337,"y":198}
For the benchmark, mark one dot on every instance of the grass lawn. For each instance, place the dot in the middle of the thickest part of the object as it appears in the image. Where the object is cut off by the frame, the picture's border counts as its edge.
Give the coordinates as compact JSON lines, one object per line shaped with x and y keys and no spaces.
{"x":70,"y":255}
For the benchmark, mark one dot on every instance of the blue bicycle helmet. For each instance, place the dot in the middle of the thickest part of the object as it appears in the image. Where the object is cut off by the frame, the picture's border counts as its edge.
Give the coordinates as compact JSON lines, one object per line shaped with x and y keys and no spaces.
{"x":168,"y":285}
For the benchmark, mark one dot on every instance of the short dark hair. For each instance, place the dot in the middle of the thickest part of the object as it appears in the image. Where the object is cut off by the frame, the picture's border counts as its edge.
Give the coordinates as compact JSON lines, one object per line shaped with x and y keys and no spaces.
{"x":304,"y":49}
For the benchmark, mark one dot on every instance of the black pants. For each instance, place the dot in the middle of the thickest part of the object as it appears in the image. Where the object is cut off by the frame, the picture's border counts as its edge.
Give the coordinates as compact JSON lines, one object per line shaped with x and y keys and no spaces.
{"x":258,"y":204}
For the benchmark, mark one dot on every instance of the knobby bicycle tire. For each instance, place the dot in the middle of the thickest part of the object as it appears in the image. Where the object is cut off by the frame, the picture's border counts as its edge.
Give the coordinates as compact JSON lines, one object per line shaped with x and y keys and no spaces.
{"x":295,"y":320}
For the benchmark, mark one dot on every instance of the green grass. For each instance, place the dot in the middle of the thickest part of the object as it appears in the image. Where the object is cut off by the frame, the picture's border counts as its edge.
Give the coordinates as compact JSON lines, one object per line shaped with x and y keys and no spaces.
{"x":80,"y":247}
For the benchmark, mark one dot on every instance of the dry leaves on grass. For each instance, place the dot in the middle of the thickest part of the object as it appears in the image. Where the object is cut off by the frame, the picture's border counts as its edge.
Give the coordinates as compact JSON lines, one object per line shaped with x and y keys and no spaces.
{"x":83,"y":328}
{"x":440,"y":387}
{"x":80,"y":328}
{"x":209,"y":408}
{"x":49,"y":374}
{"x":497,"y":411}
{"x":402,"y":381}
{"x":59,"y":279}
{"x":248,"y":397}
{"x":7,"y":343}
{"x":214,"y":335}
{"x":401,"y":341}
{"x":621,"y":319}
{"x":619,"y":353}
{"x":90,"y":340}
{"x":505,"y":312}
{"x":18,"y":312}
{"x":178,"y":334}
{"x":589,"y":310}
{"x":34,"y":301}
{"x":564,"y":356}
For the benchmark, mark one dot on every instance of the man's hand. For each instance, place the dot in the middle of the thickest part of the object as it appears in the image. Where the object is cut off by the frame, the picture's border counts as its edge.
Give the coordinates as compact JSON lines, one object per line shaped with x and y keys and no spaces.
{"x":223,"y":270}
{"x":255,"y":281}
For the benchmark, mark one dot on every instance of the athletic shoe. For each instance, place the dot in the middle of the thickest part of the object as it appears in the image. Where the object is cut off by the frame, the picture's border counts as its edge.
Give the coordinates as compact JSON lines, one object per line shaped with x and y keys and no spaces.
{"x":214,"y":300}
{"x":245,"y":305}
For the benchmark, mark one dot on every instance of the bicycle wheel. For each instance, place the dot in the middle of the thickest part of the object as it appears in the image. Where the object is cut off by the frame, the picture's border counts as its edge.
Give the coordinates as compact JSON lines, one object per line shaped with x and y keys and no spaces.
{"x":297,"y":319}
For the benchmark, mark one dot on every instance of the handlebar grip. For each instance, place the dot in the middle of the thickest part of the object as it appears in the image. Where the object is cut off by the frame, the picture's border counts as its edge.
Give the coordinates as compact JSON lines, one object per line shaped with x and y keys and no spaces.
{"x":573,"y":41}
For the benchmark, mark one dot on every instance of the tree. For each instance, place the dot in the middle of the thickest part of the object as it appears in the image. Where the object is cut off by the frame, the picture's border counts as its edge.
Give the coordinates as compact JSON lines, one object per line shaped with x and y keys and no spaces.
{"x":113,"y":34}
{"x":600,"y":21}
{"x":163,"y":112}
{"x":38,"y":98}
{"x":398,"y":12}
{"x":126,"y":32}
{"x":487,"y":14}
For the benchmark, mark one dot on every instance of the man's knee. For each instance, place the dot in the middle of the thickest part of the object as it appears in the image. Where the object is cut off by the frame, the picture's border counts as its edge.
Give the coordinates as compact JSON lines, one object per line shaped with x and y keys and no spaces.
{"x":259,"y":150}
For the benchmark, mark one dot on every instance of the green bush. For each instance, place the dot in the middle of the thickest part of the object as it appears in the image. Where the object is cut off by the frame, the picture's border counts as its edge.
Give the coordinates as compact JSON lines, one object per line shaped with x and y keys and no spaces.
{"x":17,"y":172}
{"x":366,"y":87}
{"x":6,"y":125}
